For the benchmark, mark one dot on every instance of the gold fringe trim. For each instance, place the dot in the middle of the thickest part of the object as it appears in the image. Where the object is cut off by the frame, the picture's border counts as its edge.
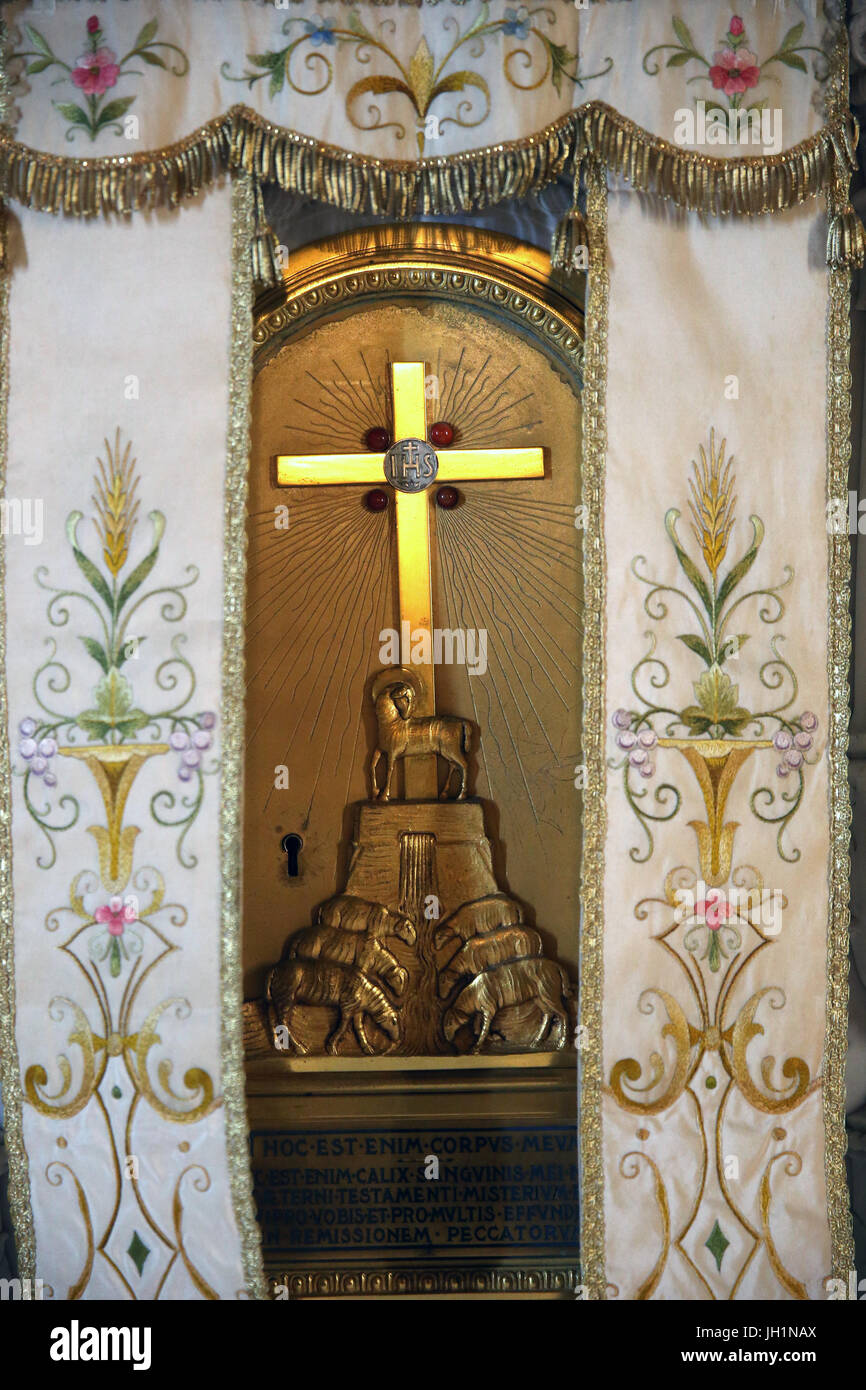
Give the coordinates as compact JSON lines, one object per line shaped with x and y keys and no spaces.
{"x":400,"y":189}
{"x":243,"y":141}
{"x":718,"y":187}
{"x":117,"y":183}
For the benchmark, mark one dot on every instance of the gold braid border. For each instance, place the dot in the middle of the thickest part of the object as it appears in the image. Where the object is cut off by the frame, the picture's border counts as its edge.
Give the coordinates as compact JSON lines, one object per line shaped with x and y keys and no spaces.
{"x":838,"y":668}
{"x":590,"y":1039}
{"x":10,"y":1074}
{"x":241,"y":140}
{"x":232,"y":706}
{"x":10,"y":1069}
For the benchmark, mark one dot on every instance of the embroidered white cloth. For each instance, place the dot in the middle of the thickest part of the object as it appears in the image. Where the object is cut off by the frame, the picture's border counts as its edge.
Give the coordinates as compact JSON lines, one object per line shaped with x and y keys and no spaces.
{"x":717,"y":708}
{"x":114,"y":622}
{"x":393,"y":83}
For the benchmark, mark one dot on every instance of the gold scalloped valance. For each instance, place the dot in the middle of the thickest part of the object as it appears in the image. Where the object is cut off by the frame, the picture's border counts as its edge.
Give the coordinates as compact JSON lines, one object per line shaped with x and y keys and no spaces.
{"x":242,"y":141}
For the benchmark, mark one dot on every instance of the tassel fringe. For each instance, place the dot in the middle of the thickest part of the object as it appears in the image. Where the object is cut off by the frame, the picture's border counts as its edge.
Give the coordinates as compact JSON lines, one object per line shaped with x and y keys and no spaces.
{"x":846,"y":239}
{"x":570,"y":248}
{"x":265,"y":259}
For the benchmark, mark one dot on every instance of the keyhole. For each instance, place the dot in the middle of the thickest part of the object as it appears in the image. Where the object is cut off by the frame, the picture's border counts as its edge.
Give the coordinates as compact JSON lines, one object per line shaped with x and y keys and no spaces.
{"x":291,"y":845}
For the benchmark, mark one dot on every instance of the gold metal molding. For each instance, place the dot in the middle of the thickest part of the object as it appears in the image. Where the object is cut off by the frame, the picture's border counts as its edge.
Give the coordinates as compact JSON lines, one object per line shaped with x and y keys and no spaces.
{"x":557,"y":1280}
{"x":500,"y":275}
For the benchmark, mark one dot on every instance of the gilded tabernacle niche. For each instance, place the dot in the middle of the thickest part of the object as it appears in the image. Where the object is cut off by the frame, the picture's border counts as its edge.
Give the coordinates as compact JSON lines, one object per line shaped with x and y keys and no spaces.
{"x":414,"y":622}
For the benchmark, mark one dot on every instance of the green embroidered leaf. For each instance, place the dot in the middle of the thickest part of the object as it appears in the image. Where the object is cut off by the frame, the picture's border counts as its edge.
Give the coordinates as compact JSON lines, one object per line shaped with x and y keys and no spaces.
{"x":278,"y":78}
{"x":131,"y":723}
{"x":696,"y":719}
{"x":113,"y":712}
{"x":146,"y":33}
{"x":717,"y":1242}
{"x":113,"y":695}
{"x":93,"y":724}
{"x":92,"y":575}
{"x":689,"y":567}
{"x":742,"y":567}
{"x":356,"y":25}
{"x":138,"y":1252}
{"x":792,"y":60}
{"x":714,"y":959}
{"x":38,"y":65}
{"x":114,"y":959}
{"x":479,"y":22}
{"x":716,"y":694}
{"x":683,"y":33}
{"x":736,"y":725}
{"x":698,"y":646}
{"x":97,"y":652}
{"x":113,"y":111}
{"x":73,"y":113}
{"x":793,"y":36}
{"x":717,"y":699}
{"x":678,"y":60}
{"x":38,"y":41}
{"x":138,"y":576}
{"x":561,"y":59}
{"x":152,"y":58}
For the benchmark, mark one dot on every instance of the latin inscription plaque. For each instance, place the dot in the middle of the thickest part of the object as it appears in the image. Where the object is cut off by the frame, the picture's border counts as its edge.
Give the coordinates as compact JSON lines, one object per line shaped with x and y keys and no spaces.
{"x":435,"y":1192}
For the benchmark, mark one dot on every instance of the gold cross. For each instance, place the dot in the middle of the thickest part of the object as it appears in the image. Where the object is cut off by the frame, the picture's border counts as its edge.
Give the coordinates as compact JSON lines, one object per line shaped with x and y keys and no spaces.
{"x":411,"y":467}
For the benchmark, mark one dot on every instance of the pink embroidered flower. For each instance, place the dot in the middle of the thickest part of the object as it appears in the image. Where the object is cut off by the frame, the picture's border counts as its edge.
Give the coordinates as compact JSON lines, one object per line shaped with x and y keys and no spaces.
{"x":737,"y":26}
{"x":734,"y":72}
{"x":714,"y":910}
{"x":93,"y":25}
{"x":115,"y":914}
{"x":95,"y":72}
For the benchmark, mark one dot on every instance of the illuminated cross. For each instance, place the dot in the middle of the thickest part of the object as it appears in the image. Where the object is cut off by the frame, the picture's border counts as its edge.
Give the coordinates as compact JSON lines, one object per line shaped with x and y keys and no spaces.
{"x":411,"y":467}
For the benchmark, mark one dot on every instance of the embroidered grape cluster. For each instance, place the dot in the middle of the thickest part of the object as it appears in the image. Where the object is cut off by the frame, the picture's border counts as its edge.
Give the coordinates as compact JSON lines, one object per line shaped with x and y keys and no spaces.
{"x":639,"y":746}
{"x":793,"y":746}
{"x":191,"y":746}
{"x":37,"y":753}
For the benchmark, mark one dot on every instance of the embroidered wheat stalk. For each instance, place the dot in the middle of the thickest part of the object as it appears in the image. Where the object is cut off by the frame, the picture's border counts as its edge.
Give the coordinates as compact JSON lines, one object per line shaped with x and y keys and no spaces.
{"x":116,"y":504}
{"x":712,"y":504}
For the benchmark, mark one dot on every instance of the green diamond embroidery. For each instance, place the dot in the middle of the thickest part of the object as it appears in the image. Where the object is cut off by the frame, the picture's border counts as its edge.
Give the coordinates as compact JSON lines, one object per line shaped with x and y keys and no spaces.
{"x":138,"y":1251}
{"x":717,"y":1244}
